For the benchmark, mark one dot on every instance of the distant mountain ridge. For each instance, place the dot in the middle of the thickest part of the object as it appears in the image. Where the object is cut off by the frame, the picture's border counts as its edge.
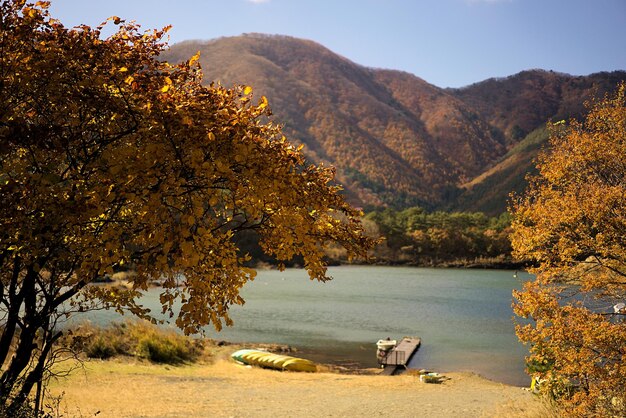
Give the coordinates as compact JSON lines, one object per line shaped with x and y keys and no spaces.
{"x":518,"y":107}
{"x":394,"y":138}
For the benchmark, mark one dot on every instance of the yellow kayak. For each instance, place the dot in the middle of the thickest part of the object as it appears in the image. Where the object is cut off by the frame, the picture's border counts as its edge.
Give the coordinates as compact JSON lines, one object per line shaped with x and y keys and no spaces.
{"x":254,"y":357}
{"x":299,"y":365}
{"x":274,"y":361}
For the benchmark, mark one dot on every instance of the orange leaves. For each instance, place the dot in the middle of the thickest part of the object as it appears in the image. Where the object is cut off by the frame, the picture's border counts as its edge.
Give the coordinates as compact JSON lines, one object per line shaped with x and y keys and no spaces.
{"x":168,"y":84}
{"x":194,"y":59}
{"x":262,"y":103}
{"x":214,"y":200}
{"x":572,"y":222}
{"x":32,"y":13}
{"x":576,"y":208}
{"x":115,"y":19}
{"x":154,"y":170}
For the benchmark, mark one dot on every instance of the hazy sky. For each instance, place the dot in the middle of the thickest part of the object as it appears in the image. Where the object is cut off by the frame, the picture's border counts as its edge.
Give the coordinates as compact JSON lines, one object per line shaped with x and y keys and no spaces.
{"x":449,"y":43}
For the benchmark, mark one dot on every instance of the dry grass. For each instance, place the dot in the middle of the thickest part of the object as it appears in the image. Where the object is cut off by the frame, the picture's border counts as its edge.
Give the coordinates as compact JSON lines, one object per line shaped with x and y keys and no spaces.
{"x":126,"y":387}
{"x":213,"y":385}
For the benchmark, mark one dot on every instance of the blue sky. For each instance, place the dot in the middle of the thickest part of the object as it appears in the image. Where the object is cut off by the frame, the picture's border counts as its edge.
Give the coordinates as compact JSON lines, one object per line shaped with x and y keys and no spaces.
{"x":449,"y":43}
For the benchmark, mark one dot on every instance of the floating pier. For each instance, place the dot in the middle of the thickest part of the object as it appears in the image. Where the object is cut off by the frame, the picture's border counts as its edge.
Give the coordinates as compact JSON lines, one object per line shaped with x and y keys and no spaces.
{"x":398,"y":357}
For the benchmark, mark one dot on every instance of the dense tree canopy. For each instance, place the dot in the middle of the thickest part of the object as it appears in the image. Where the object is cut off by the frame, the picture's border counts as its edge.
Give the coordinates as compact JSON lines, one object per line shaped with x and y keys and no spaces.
{"x":110,"y":157}
{"x":418,"y":237}
{"x":572,"y":222}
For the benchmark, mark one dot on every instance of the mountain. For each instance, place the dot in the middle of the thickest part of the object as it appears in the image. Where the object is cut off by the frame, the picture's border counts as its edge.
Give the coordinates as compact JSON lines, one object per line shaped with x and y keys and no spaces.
{"x":395,"y":139}
{"x":517,"y":108}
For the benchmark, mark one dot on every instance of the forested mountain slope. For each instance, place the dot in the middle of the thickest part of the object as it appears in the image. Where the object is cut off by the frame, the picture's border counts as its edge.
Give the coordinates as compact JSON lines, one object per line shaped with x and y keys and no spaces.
{"x":517,"y":108}
{"x":395,"y":139}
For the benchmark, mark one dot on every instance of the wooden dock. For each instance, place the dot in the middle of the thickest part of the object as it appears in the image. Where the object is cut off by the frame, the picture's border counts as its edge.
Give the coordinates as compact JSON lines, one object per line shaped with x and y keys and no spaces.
{"x":400,"y":355}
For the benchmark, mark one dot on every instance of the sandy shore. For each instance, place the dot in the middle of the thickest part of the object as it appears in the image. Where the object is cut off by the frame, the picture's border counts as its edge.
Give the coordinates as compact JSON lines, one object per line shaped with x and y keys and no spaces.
{"x":129,"y":388}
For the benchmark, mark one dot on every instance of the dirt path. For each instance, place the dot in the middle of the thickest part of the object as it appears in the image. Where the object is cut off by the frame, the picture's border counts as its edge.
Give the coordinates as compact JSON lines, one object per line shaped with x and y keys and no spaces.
{"x":123,"y":389}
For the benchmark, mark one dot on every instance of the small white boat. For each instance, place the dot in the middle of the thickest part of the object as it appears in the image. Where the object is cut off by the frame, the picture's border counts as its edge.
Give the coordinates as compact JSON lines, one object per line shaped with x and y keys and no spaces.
{"x":384,"y":348}
{"x":386,"y":345}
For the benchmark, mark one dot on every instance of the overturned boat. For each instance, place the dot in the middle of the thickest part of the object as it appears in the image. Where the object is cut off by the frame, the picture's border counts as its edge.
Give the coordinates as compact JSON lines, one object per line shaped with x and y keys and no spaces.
{"x":273,"y":361}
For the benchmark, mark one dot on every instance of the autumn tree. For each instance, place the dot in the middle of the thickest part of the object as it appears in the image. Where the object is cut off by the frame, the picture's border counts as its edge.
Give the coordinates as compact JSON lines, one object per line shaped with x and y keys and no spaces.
{"x":109,"y":158}
{"x":572,"y":222}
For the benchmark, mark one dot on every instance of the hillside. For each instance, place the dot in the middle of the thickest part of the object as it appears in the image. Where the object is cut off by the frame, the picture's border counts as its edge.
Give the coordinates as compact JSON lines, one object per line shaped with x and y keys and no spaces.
{"x":394,"y":138}
{"x":490,"y":191}
{"x":517,"y":108}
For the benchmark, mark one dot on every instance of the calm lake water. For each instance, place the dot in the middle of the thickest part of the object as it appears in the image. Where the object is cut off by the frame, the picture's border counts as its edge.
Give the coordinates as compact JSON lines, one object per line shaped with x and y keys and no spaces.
{"x":463,"y":317}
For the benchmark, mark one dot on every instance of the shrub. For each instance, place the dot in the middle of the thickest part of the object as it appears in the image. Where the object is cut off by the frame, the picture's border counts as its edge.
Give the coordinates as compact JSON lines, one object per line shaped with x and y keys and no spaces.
{"x":100,"y":348}
{"x":137,"y":338}
{"x":170,"y":349}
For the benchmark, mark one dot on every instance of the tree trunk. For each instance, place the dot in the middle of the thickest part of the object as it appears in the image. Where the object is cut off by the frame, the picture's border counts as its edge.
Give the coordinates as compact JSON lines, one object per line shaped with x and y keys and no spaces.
{"x":14,"y":302}
{"x":19,"y":362}
{"x":36,"y":375}
{"x":7,"y":336}
{"x":27,"y":338}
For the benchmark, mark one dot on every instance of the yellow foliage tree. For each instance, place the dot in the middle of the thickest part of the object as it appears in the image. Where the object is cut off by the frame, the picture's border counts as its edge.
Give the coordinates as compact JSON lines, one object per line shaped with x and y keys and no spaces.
{"x":110,"y":157}
{"x":572,"y":222}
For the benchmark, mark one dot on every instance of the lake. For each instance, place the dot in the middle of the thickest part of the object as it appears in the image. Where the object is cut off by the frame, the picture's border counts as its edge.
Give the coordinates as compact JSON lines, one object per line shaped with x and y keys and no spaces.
{"x":463,"y":317}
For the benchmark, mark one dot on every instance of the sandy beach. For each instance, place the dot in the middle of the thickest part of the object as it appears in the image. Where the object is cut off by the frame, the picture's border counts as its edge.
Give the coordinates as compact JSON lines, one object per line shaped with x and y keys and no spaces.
{"x":132,"y":388}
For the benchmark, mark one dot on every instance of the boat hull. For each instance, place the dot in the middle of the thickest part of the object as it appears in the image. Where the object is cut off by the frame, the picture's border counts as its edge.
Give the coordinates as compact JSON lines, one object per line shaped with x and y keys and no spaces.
{"x":273,"y":361}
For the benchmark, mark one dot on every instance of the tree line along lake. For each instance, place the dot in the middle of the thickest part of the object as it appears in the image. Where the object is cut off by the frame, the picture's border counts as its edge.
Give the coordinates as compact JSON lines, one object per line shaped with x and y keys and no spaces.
{"x":463,"y":316}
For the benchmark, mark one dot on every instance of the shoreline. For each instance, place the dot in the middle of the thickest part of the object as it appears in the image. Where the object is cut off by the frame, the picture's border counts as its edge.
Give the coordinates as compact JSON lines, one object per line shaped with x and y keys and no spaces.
{"x":124,"y":340}
{"x":132,"y":388}
{"x":123,"y":278}
{"x":332,"y":341}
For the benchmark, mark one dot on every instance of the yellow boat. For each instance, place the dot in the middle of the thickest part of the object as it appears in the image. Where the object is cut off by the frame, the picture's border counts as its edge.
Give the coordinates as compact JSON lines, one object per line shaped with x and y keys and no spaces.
{"x":254,"y":357}
{"x":299,"y":365}
{"x":274,"y":361}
